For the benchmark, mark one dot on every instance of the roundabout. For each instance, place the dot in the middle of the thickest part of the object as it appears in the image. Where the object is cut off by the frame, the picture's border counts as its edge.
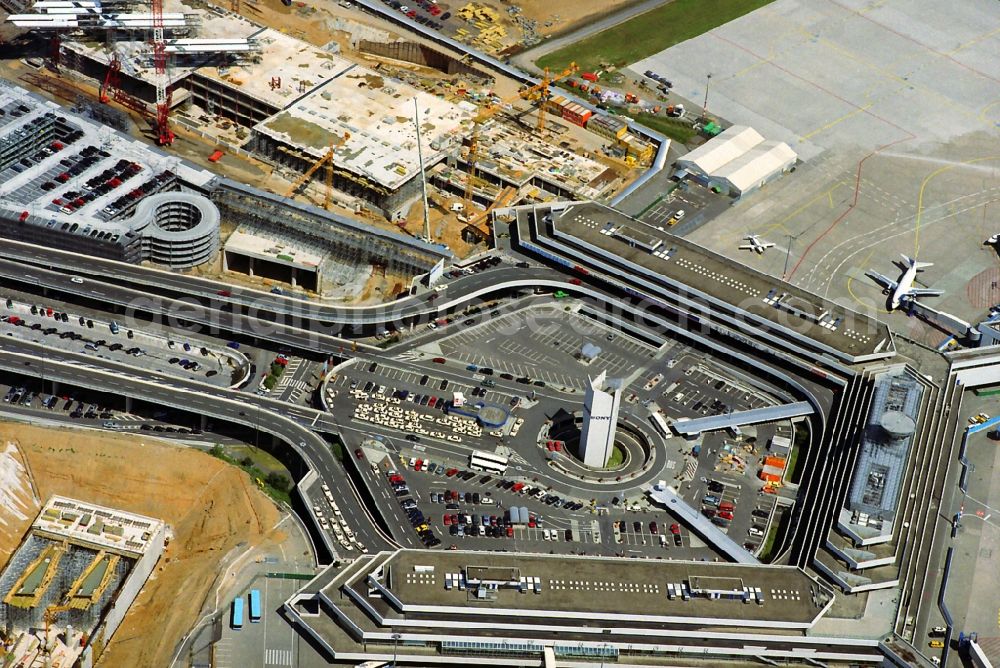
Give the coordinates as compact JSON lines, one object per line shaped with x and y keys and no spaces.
{"x":633,"y":456}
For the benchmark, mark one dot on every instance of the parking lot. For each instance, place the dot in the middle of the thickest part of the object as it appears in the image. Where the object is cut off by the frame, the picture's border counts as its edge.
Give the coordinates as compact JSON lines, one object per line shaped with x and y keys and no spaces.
{"x":267,"y":643}
{"x":475,"y":510}
{"x":544,"y":342}
{"x":689,"y":388}
{"x":685,"y":208}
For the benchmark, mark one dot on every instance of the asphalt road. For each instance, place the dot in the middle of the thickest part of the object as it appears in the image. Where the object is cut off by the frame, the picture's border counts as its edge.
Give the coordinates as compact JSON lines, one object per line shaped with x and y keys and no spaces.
{"x":110,"y":281}
{"x":525,"y":60}
{"x":285,"y":423}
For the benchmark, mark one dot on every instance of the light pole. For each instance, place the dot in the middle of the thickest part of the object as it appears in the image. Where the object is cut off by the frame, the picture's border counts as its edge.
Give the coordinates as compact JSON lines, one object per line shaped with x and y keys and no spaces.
{"x":704,"y":109}
{"x":395,"y":644}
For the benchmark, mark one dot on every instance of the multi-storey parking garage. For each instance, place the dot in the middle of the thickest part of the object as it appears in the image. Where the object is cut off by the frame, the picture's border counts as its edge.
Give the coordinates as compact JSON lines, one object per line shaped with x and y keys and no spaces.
{"x":70,"y":183}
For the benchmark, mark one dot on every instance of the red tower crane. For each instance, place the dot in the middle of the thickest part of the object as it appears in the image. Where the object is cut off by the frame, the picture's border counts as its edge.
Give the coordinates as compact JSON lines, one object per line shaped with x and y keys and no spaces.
{"x":164,"y":135}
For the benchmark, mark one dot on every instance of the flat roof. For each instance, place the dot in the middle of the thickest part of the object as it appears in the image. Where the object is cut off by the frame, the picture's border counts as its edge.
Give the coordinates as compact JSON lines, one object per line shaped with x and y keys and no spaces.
{"x":595,"y":586}
{"x":369,"y":119}
{"x":300,"y":66}
{"x":722,"y":278}
{"x":93,"y":525}
{"x":320,"y":97}
{"x":21,"y":191}
{"x":263,"y":247}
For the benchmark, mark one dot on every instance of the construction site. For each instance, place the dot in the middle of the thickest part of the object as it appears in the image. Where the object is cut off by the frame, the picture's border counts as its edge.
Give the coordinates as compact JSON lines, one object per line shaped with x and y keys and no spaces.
{"x":66,"y":589}
{"x":357,"y":126}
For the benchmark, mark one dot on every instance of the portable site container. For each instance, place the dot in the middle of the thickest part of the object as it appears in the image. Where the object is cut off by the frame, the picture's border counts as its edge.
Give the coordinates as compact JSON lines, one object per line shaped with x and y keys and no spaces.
{"x":556,"y":105}
{"x":772,"y":471}
{"x":768,"y":477}
{"x":576,"y":114}
{"x":777,"y":462}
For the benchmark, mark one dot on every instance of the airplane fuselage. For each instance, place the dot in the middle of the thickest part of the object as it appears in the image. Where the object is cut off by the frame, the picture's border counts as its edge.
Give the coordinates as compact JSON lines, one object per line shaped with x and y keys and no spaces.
{"x":904,"y":286}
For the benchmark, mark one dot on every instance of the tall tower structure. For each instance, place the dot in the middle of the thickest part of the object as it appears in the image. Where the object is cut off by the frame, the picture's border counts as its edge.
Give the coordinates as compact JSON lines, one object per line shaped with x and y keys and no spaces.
{"x":600,"y":420}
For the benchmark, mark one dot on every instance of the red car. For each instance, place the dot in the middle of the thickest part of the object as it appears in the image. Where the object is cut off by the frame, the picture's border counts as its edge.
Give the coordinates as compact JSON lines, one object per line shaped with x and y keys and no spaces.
{"x":725,"y":514}
{"x":675,"y":529}
{"x":652,"y":528}
{"x":575,"y":281}
{"x":447,"y":520}
{"x":359,"y":454}
{"x":451,"y":472}
{"x":224,"y":293}
{"x":438,"y":360}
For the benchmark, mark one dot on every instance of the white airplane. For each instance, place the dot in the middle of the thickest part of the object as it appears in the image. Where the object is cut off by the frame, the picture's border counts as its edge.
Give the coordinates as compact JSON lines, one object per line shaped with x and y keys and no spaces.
{"x":903,"y":288}
{"x":756,"y":244}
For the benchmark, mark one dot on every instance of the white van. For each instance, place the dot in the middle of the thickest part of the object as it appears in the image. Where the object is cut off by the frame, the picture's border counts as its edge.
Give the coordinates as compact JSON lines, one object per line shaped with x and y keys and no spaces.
{"x":754,"y":531}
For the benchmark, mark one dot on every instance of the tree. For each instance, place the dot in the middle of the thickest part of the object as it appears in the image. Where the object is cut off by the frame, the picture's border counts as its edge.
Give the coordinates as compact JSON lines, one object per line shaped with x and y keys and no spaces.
{"x":278,"y":481}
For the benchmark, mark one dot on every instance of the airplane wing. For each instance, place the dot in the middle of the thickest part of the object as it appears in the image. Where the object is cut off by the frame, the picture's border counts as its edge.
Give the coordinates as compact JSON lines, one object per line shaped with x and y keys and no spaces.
{"x":767,"y":244}
{"x":747,"y":247}
{"x":884,"y":281}
{"x":925,"y":292}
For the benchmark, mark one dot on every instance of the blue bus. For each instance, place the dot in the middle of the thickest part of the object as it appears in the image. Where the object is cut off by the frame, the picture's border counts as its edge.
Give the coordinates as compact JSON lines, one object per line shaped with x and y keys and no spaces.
{"x":236,"y":617}
{"x":254,"y":606}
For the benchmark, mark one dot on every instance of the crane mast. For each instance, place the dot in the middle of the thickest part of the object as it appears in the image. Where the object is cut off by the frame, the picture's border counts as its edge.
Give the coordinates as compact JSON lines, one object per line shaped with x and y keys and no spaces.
{"x":164,"y":135}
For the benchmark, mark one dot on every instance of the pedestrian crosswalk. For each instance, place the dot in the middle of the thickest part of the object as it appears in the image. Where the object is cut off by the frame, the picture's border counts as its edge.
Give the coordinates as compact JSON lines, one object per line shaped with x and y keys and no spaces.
{"x":288,"y":376}
{"x":277,"y":657}
{"x":409,"y":356}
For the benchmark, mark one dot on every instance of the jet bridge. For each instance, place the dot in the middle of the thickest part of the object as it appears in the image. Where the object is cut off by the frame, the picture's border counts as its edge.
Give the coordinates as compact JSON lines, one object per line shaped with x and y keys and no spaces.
{"x":741,"y":418}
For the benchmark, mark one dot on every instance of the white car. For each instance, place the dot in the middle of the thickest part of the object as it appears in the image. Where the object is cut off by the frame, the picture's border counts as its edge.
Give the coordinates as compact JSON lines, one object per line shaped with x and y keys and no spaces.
{"x":76,"y":279}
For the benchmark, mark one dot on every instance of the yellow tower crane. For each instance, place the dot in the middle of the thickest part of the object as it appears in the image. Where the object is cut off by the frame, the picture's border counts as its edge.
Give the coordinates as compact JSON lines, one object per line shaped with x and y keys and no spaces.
{"x":490,"y":110}
{"x":543,"y":92}
{"x":327,"y":160}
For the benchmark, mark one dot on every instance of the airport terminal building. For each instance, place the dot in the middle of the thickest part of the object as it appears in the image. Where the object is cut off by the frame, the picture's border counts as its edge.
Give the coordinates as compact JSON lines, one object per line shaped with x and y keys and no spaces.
{"x":415,"y":607}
